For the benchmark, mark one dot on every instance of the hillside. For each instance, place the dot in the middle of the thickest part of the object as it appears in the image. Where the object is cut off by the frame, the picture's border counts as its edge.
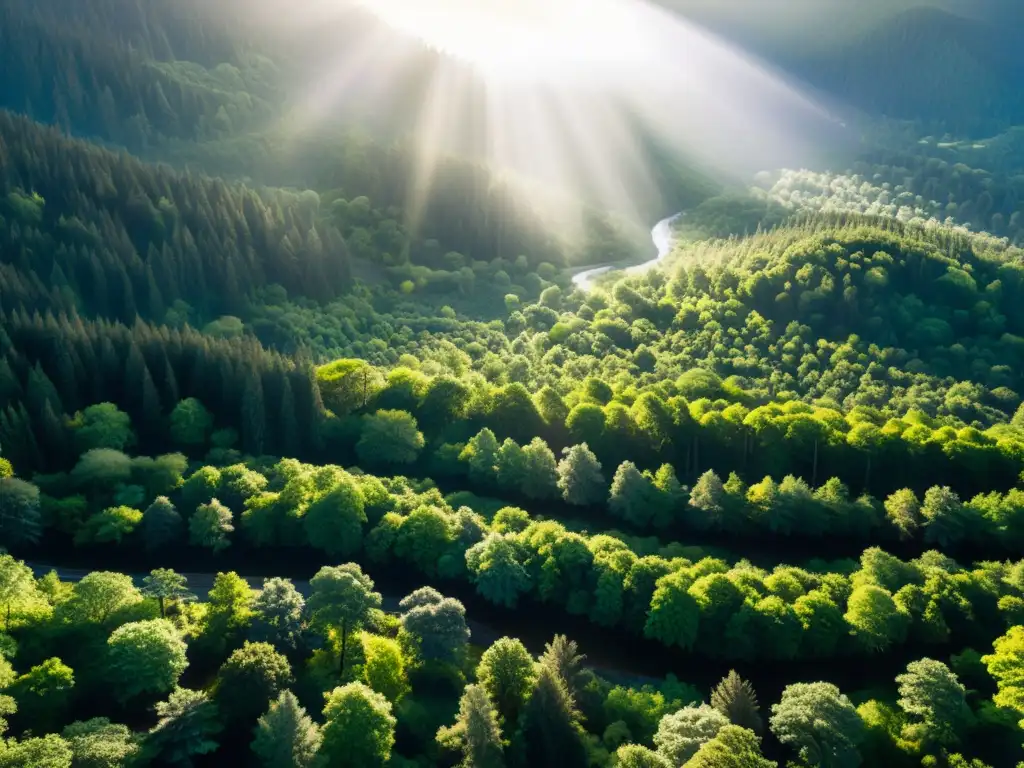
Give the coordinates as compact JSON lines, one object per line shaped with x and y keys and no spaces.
{"x":942,"y":70}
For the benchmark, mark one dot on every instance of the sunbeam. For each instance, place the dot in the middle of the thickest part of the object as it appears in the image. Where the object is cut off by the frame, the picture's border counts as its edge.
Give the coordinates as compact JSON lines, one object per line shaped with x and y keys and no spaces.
{"x":572,"y":94}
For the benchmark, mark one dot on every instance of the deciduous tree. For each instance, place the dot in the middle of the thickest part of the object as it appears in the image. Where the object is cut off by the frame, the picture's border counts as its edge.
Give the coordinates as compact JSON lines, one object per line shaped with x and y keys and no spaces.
{"x":359,"y":729}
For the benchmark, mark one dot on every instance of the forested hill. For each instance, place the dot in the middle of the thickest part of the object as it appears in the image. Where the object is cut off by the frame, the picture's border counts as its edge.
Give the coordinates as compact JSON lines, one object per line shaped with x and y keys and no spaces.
{"x":945,"y":71}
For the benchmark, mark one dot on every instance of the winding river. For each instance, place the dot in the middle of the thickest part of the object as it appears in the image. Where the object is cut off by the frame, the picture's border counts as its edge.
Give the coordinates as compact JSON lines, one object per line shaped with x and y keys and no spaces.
{"x":661,"y":235}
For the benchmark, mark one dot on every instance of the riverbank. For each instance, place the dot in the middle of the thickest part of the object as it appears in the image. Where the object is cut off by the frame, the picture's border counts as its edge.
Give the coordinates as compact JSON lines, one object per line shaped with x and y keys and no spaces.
{"x":661,"y":236}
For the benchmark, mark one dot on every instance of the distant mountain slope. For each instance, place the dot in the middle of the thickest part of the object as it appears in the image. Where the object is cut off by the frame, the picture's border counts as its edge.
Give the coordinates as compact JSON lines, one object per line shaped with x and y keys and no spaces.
{"x":927,"y":65}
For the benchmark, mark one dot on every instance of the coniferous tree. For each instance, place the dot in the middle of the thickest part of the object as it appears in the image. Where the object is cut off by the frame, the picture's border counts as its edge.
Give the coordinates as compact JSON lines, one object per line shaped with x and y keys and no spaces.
{"x":286,"y":737}
{"x":563,"y":656}
{"x":476,"y":732}
{"x":735,"y":698}
{"x":550,"y":733}
{"x":254,"y":415}
{"x":20,"y":519}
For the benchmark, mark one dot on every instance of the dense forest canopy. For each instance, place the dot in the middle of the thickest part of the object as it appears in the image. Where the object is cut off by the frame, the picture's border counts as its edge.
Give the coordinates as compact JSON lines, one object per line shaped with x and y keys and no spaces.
{"x":303,"y":468}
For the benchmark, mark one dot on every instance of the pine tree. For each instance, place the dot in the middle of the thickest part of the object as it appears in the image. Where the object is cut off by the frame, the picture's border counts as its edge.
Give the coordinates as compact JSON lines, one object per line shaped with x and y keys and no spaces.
{"x":286,"y":737}
{"x":289,"y":425}
{"x":562,"y":655}
{"x":254,"y":415}
{"x":735,"y":698}
{"x":20,"y":520}
{"x":550,"y":733}
{"x":476,"y":732}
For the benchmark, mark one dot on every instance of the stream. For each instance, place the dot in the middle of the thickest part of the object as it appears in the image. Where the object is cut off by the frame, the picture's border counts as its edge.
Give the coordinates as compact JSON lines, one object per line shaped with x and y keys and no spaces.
{"x":661,"y":236}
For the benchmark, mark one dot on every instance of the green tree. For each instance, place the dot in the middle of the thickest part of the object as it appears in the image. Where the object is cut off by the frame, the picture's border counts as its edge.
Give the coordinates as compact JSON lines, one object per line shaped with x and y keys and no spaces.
{"x":496,"y":571}
{"x":480,"y":454}
{"x":160,"y":475}
{"x":635,"y":756}
{"x":580,"y":478}
{"x":50,"y":751}
{"x":550,"y":406}
{"x":682,"y":733}
{"x":424,"y":537}
{"x":708,"y":500}
{"x":144,"y":657}
{"x":732,"y":747}
{"x":101,"y":469}
{"x":1006,"y":666}
{"x":632,"y":496}
{"x":507,"y":672}
{"x":735,"y":698}
{"x":563,"y":656}
{"x":935,"y":704}
{"x":102,"y":426}
{"x":334,"y":522}
{"x":476,"y":732}
{"x":99,"y":743}
{"x":438,"y":628}
{"x":389,"y":437}
{"x":187,"y":727}
{"x":904,"y":512}
{"x":191,"y":423}
{"x":202,"y":486}
{"x":341,"y":598}
{"x":161,"y":524}
{"x":17,"y":586}
{"x":550,"y":731}
{"x":444,"y":402}
{"x":20,"y":520}
{"x":164,"y":584}
{"x":286,"y":737}
{"x":111,"y":526}
{"x":278,"y":614}
{"x":249,"y":680}
{"x":98,"y":596}
{"x":210,"y":525}
{"x":874,"y":618}
{"x":674,"y":616}
{"x":347,"y":385}
{"x":540,"y":473}
{"x":943,"y":514}
{"x":819,"y":722}
{"x":359,"y":729}
{"x":510,"y":466}
{"x":228,"y":612}
{"x":384,"y":667}
{"x":44,"y":693}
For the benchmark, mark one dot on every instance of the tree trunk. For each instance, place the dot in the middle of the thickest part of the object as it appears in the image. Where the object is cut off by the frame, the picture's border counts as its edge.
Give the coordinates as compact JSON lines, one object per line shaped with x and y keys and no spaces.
{"x":163,"y":613}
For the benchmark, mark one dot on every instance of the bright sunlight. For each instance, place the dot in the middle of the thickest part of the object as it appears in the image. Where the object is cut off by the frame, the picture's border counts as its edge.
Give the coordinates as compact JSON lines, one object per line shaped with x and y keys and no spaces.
{"x":575,"y":100}
{"x":522,"y":39}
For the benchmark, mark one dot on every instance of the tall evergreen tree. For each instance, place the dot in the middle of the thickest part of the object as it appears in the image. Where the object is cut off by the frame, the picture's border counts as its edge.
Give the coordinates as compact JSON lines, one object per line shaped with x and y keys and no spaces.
{"x":735,"y":698}
{"x":476,"y":732}
{"x":286,"y":737}
{"x":254,"y":415}
{"x":549,"y":733}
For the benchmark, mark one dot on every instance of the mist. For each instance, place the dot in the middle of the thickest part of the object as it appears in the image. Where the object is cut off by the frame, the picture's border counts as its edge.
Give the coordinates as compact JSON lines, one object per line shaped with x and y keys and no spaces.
{"x":805,"y":26}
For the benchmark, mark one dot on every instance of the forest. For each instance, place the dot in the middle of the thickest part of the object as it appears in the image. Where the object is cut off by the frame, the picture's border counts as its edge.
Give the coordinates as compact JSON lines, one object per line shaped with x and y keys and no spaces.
{"x":291,"y":477}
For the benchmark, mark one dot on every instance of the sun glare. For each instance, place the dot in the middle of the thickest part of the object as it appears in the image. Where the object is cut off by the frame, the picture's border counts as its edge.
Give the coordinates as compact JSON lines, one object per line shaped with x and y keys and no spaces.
{"x":571,"y":95}
{"x":520,"y":39}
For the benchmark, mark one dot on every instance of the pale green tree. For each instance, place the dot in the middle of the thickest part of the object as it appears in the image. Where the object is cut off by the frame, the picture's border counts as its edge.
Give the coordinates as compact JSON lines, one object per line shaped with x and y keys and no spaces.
{"x":359,"y":729}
